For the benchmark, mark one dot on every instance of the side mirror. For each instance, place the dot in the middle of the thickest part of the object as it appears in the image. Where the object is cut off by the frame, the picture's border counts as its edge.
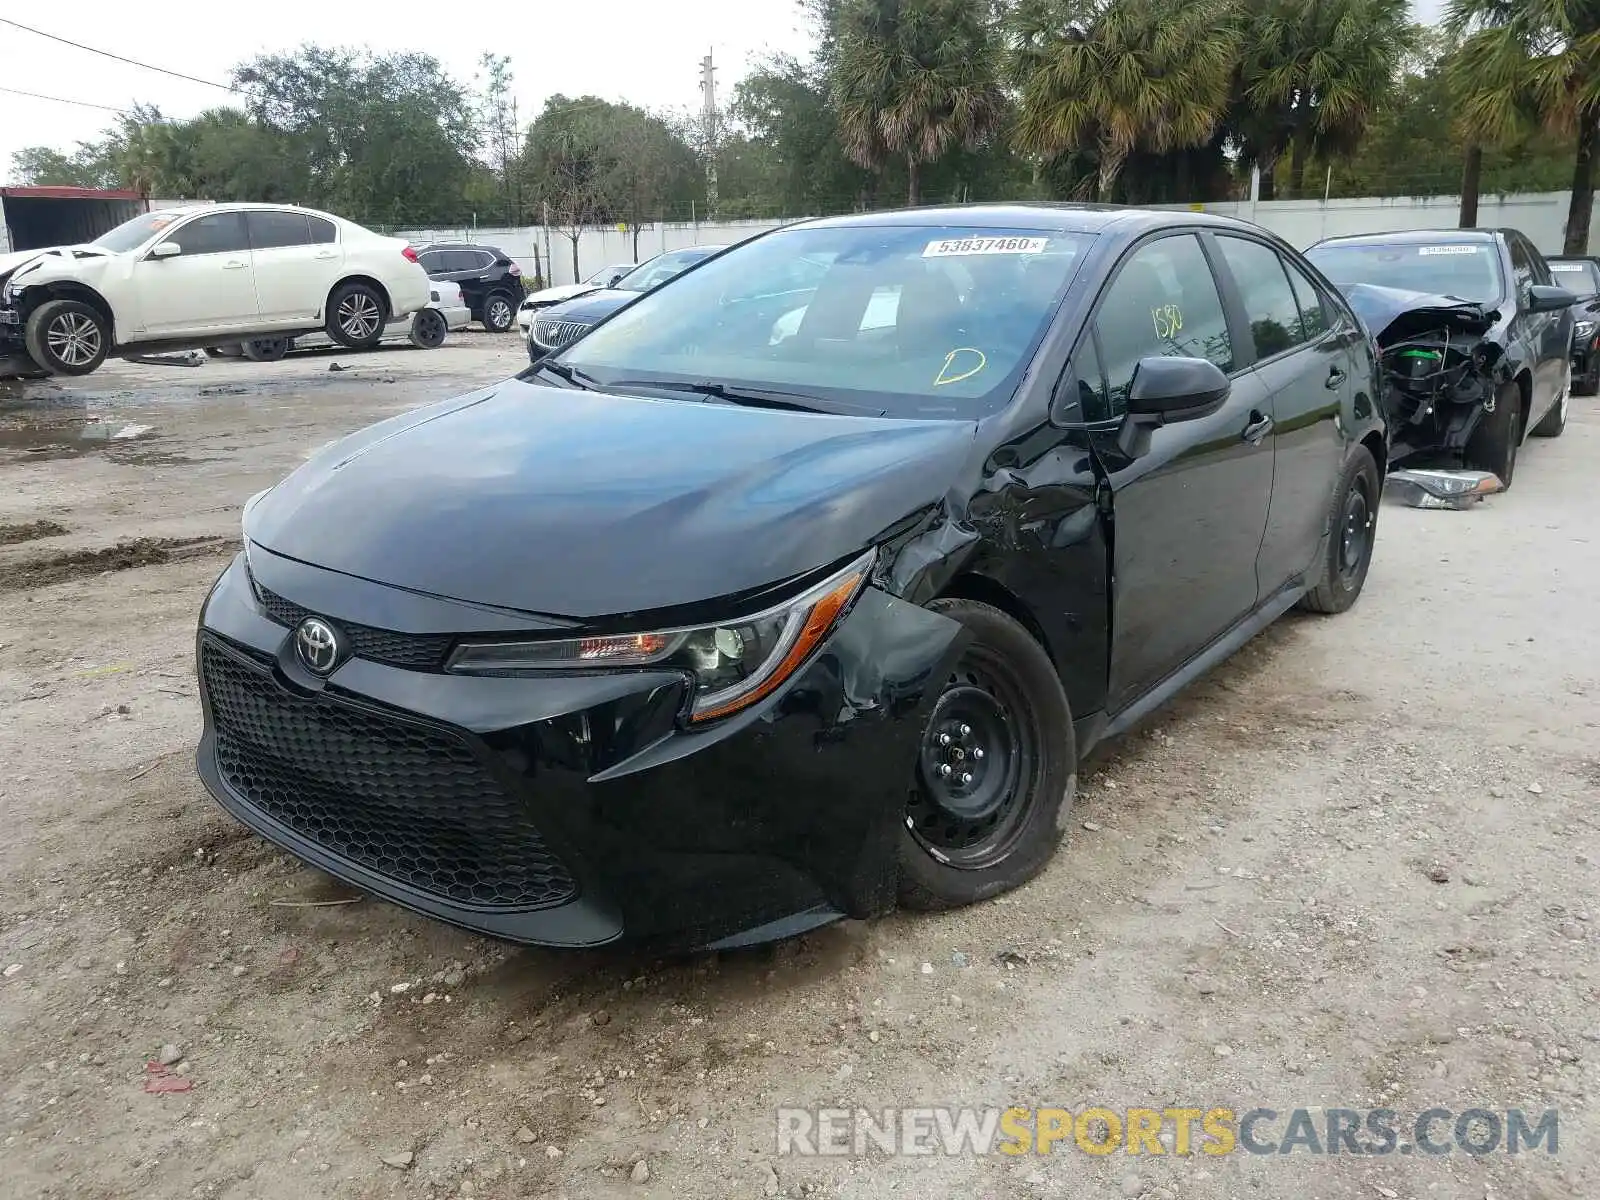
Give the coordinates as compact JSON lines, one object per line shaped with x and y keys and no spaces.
{"x":1167,"y":389}
{"x":166,"y":250}
{"x":1542,"y":297}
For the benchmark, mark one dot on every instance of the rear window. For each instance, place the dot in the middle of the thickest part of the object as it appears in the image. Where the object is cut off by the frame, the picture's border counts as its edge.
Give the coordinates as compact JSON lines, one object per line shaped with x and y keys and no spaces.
{"x":1464,"y":270}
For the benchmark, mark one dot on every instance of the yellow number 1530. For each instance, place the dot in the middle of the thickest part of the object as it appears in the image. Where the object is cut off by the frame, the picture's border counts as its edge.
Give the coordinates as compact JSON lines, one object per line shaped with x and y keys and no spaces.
{"x":1168,"y":320}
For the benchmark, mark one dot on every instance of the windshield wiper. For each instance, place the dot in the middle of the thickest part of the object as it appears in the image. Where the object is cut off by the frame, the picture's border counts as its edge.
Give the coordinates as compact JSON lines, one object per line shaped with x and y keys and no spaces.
{"x":571,"y":375}
{"x":754,"y":397}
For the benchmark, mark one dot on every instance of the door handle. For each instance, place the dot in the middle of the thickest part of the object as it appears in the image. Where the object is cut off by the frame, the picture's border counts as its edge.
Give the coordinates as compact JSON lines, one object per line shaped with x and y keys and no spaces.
{"x":327,"y":254}
{"x":233,"y":264}
{"x":1255,"y":432}
{"x":1335,"y":377}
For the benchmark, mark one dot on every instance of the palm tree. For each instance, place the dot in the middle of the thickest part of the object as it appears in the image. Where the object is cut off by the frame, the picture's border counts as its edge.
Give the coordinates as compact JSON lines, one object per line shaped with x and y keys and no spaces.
{"x":914,"y":79}
{"x":1312,"y":76}
{"x":1542,"y":55}
{"x":1115,"y":78}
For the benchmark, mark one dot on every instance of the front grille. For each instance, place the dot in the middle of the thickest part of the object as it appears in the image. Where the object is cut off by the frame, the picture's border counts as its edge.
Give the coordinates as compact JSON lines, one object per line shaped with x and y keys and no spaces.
{"x":414,"y":651}
{"x":400,"y":798}
{"x":552,"y":335}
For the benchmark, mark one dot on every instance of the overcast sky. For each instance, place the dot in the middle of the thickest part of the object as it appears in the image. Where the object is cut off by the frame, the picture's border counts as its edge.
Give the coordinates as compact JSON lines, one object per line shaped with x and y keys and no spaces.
{"x":645,"y":51}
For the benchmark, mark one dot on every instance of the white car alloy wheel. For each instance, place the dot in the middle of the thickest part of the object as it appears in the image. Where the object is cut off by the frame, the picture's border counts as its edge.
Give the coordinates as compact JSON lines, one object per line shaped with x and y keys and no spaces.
{"x":73,"y":338}
{"x":499,"y":314}
{"x":359,"y":316}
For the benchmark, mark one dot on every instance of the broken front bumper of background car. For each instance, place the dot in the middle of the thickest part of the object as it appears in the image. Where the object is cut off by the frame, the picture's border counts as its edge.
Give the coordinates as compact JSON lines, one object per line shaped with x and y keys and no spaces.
{"x":1440,"y":373}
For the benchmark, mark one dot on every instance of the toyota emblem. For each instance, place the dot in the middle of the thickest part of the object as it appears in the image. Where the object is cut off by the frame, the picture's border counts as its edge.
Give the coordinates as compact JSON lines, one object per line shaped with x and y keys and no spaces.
{"x":318,"y":645}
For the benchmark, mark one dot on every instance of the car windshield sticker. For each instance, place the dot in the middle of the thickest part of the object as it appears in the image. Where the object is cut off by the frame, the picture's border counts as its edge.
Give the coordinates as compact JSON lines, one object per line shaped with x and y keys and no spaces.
{"x":1168,"y":320}
{"x":1448,"y":249}
{"x":971,"y":361}
{"x":957,"y":247}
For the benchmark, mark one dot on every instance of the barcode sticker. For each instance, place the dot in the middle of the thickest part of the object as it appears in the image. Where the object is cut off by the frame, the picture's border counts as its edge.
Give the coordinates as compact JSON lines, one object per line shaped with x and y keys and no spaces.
{"x":957,"y":247}
{"x":1449,"y":249}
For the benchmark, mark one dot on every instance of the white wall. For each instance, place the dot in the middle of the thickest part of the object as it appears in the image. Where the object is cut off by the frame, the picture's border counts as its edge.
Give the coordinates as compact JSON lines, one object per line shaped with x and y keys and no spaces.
{"x":1542,"y":216}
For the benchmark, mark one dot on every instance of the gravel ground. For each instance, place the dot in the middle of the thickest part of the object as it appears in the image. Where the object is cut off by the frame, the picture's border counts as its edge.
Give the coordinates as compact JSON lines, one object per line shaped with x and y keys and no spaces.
{"x":1355,"y":868}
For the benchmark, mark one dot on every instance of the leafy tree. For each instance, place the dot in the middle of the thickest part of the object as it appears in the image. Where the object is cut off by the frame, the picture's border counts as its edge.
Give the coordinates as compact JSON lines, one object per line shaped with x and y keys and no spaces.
{"x":915,"y":79}
{"x":1543,"y":57}
{"x":568,"y":167}
{"x":497,"y":130}
{"x":1312,"y":75}
{"x":1106,"y":83}
{"x":89,"y":166}
{"x":786,"y":156}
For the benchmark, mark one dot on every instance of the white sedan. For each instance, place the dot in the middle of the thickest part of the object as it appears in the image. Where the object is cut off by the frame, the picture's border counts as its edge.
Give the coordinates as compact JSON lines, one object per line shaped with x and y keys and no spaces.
{"x":196,"y":275}
{"x":545,"y":297}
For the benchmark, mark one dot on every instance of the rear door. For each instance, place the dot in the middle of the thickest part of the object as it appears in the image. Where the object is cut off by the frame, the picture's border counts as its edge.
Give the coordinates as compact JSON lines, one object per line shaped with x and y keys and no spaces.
{"x":468,"y":268}
{"x":1308,"y":375}
{"x":207,"y":287}
{"x":293,"y":272}
{"x":1188,"y":515}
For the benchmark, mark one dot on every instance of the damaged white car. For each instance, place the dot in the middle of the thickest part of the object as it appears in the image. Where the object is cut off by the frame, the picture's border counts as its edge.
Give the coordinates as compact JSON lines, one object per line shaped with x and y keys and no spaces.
{"x":188,"y":277}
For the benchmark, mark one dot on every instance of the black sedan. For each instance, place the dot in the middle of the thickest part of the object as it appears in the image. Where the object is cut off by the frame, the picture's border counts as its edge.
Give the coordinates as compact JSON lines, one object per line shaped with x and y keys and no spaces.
{"x":1581,"y":276}
{"x":751,"y":610}
{"x":565,"y":322}
{"x":1474,"y":338}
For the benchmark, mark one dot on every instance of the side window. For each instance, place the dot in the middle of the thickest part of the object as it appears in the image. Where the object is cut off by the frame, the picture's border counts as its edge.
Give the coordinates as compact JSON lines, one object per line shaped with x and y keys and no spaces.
{"x":1314,"y":318}
{"x":323,"y":232}
{"x":1541,"y":268}
{"x":1163,"y":301}
{"x":1521,"y":268}
{"x":432,"y":262}
{"x":463,"y":260}
{"x":273,"y":230}
{"x":1268,"y":298}
{"x":217,"y":233}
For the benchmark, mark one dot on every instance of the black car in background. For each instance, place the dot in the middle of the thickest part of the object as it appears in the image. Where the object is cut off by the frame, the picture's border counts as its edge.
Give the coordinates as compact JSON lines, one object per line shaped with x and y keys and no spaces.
{"x":560,"y":324}
{"x":1475,"y":339}
{"x":755,"y":608}
{"x":491,"y":283}
{"x":1581,"y":276}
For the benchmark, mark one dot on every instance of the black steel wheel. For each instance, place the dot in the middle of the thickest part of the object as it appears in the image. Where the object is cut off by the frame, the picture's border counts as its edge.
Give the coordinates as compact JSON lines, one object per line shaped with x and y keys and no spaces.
{"x":1352,"y":532}
{"x":995,"y":768}
{"x":428,"y":329}
{"x":269,"y":349}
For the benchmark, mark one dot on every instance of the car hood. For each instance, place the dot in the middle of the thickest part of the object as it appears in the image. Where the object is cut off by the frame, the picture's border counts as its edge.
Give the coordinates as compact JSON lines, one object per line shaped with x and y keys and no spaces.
{"x":554,"y":295}
{"x":1395,"y":314}
{"x":10,"y":262}
{"x":583,"y":504}
{"x":592,"y":308}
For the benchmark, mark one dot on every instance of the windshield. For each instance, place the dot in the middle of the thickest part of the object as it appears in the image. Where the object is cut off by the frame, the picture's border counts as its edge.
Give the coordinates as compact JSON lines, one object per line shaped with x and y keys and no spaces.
{"x":1464,"y":270}
{"x":662,"y":268}
{"x":1577,"y":275}
{"x":130,"y":235}
{"x":913,"y":321}
{"x":605,"y":273}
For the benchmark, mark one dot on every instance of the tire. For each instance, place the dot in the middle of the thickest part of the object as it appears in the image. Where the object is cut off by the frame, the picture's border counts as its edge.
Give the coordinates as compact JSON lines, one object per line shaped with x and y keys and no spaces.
{"x":67,"y":337}
{"x":1006,"y":695}
{"x":499,"y":312}
{"x":1493,"y":444}
{"x":357,"y":313}
{"x":1554,"y":421}
{"x":1353,"y":528}
{"x":266,"y":349}
{"x":1589,"y":384}
{"x":428,"y":329}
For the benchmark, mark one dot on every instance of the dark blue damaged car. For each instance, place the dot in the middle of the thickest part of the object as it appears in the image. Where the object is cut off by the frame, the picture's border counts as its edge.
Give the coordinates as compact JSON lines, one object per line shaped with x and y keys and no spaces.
{"x":795,"y":589}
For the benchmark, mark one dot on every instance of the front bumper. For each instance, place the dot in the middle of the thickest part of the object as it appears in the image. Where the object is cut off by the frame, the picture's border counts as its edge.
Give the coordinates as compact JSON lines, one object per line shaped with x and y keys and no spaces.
{"x":567,"y":810}
{"x":10,"y":331}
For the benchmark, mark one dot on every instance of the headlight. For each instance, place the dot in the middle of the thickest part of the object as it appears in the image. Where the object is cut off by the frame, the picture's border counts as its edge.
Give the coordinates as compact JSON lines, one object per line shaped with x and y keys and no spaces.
{"x":733,"y":665}
{"x":1583,"y":329}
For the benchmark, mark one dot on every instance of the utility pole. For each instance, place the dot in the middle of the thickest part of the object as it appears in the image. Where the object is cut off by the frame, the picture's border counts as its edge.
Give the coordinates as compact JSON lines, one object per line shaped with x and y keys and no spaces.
{"x":708,"y":87}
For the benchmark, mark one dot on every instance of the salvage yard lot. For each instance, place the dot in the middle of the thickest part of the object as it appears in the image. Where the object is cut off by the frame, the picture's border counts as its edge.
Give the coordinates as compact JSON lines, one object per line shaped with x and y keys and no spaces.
{"x":1355,"y":867}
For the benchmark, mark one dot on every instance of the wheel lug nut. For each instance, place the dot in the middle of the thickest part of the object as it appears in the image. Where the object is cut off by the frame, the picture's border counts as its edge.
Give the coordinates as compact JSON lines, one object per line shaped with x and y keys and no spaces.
{"x":944,"y":770}
{"x":977,"y":752}
{"x":944,"y":739}
{"x":966,"y":730}
{"x":966,"y":778}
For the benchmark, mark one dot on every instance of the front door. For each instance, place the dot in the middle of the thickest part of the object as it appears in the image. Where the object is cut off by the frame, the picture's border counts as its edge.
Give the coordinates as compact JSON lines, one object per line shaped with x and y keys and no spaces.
{"x":1188,"y":516}
{"x":207,"y":287}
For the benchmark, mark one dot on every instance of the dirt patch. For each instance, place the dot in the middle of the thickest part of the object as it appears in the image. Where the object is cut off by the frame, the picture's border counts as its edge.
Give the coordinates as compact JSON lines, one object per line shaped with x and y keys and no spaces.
{"x":137,"y":552}
{"x":29,"y":531}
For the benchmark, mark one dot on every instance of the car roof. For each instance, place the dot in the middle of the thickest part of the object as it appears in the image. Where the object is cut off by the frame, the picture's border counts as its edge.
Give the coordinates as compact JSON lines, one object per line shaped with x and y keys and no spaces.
{"x":1040,"y":216}
{"x":1412,"y":237}
{"x":464,"y":246}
